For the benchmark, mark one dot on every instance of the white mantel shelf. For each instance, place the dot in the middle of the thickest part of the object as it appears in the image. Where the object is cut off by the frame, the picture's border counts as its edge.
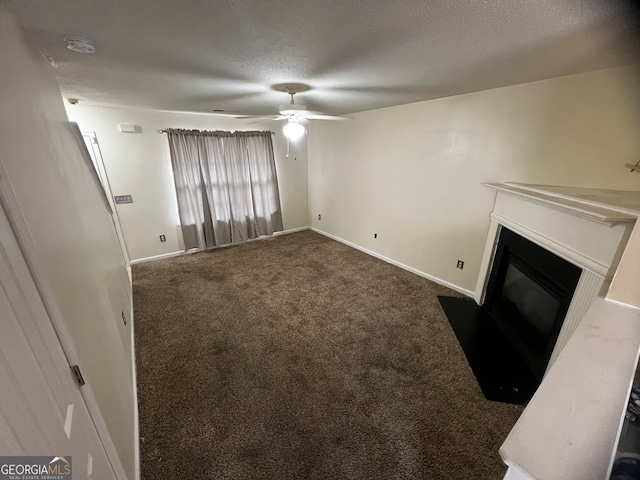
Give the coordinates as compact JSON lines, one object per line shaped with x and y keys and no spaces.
{"x":610,"y":207}
{"x":570,"y":428}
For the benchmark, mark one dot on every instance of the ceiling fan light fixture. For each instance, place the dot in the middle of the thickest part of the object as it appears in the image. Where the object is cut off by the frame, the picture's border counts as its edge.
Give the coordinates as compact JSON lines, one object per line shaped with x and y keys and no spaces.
{"x":293,"y":130}
{"x":292,"y":109}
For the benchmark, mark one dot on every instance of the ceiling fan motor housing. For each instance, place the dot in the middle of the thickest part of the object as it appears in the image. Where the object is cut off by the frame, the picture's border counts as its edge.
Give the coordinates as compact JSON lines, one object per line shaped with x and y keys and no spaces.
{"x":292,"y":109}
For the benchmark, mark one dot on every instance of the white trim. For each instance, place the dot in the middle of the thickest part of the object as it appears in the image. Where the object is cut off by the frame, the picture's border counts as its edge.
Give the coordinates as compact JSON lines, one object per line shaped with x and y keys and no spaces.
{"x":588,"y":287}
{"x":291,"y":230}
{"x":622,"y":304}
{"x":609,"y":215}
{"x":563,"y":251}
{"x":487,"y":260}
{"x":158,"y":257}
{"x":514,"y":472}
{"x":177,"y":254}
{"x":439,"y":281}
{"x":106,"y":187}
{"x":136,"y":413}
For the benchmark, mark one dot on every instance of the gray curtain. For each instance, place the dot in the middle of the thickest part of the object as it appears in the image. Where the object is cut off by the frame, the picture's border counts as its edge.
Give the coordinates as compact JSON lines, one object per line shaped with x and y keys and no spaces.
{"x":226,"y":185}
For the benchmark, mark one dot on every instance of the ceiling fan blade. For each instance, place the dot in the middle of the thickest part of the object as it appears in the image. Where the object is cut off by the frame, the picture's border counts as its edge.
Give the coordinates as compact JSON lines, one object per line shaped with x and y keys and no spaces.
{"x":220,"y":114}
{"x":242,"y":116}
{"x":268,"y":119}
{"x":326,"y":117}
{"x":260,"y":117}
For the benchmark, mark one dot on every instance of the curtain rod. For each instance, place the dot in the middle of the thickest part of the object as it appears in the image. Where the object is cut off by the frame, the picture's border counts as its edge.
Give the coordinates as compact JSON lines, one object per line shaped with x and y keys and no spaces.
{"x":164,"y":130}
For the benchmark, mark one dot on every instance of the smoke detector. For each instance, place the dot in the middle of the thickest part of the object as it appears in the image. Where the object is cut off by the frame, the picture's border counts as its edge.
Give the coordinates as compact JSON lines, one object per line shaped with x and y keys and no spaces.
{"x":80,"y":45}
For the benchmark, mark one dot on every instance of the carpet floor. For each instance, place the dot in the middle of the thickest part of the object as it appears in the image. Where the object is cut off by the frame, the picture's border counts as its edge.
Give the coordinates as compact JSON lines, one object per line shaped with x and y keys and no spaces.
{"x":297,"y":357}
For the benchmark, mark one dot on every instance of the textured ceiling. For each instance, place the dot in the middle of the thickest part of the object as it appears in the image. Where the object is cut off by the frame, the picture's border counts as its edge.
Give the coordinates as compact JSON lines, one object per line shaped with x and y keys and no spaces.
{"x":198,"y":55}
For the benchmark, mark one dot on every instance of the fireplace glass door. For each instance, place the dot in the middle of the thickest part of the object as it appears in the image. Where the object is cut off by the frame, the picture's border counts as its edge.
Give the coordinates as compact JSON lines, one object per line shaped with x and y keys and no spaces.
{"x":528,"y":296}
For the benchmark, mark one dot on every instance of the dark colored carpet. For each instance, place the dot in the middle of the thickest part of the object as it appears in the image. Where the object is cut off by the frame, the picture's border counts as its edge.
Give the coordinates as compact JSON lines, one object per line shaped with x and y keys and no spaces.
{"x":298,"y":357}
{"x":501,"y":373}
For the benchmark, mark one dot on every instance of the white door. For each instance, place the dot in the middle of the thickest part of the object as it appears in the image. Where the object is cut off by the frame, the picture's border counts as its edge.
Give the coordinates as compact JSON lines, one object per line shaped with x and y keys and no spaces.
{"x":42,"y":411}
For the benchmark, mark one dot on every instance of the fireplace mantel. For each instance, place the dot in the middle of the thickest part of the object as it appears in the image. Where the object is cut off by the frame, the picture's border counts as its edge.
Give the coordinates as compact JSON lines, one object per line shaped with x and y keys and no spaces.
{"x":569,"y":428}
{"x":575,"y":224}
{"x":609,"y":207}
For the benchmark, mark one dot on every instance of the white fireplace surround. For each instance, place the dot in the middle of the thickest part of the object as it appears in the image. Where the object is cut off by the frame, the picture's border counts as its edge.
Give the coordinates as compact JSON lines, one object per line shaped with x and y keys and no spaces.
{"x":572,"y":224}
{"x":569,"y":429}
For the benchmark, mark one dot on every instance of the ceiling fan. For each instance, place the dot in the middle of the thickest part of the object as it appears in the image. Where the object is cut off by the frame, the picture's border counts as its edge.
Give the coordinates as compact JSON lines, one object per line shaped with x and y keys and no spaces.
{"x":297,"y":111}
{"x":294,"y":113}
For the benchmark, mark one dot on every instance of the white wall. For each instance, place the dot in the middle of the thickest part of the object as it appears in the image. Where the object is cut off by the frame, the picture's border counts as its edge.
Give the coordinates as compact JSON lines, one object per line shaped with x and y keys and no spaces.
{"x":139,"y":164}
{"x":625,"y":287}
{"x":413,"y":174}
{"x":73,"y":247}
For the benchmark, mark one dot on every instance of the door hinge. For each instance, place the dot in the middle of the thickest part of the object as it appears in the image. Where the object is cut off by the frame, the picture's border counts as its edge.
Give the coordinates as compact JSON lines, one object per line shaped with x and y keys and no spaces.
{"x":77,"y":374}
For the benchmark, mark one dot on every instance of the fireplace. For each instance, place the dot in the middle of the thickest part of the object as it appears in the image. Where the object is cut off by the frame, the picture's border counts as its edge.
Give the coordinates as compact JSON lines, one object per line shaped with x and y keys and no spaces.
{"x":572,"y":226}
{"x":528,"y":295}
{"x":576,"y":415}
{"x":550,"y":251}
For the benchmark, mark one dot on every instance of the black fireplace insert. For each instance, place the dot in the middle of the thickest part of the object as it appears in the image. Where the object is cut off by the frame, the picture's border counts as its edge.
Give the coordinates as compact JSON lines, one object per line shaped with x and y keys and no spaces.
{"x":528,"y":295}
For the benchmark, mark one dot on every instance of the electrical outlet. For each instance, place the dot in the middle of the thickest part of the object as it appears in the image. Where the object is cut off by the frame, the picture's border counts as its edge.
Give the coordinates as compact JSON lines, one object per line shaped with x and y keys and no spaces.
{"x":124,"y":319}
{"x":163,"y":238}
{"x":319,"y":217}
{"x":460,"y":264}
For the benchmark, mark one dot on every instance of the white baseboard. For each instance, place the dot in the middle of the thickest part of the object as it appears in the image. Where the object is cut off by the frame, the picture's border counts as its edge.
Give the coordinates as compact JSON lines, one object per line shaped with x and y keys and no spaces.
{"x":136,"y":415}
{"x":439,"y":281}
{"x":292,"y":230}
{"x":176,"y":254}
{"x":157,"y":257}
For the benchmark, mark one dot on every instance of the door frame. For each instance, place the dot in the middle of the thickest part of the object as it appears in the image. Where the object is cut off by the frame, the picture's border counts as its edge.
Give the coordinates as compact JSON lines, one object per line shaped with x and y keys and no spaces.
{"x":103,"y":176}
{"x":23,"y":237}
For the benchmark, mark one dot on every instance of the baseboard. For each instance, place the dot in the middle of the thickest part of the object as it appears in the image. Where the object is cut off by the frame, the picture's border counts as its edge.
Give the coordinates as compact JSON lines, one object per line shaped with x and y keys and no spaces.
{"x":156,"y":257}
{"x":291,"y":230}
{"x":439,"y":281}
{"x":622,"y":304}
{"x":136,"y":416}
{"x":176,"y":254}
